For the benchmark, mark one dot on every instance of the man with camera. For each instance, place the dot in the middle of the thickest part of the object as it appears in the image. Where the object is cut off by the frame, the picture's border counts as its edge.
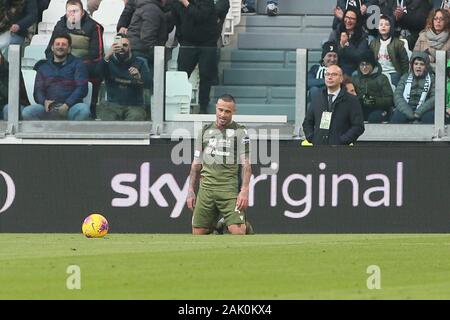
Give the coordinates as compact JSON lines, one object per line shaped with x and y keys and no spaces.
{"x":373,"y":89}
{"x":60,"y":86}
{"x":126,"y":76}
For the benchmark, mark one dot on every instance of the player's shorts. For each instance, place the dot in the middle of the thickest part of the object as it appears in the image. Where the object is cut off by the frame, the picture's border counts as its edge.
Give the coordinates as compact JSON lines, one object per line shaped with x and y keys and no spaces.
{"x":211,"y":203}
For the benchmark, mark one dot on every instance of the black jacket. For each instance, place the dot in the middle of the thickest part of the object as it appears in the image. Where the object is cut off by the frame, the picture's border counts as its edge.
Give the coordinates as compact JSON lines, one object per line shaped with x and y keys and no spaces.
{"x":28,"y":18}
{"x":197,"y":24}
{"x":148,"y":27}
{"x":347,"y":121}
{"x":87,"y":43}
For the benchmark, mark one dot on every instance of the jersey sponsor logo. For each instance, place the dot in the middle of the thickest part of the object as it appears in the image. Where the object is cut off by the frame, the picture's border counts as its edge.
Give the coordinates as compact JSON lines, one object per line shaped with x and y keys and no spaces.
{"x":230,"y":132}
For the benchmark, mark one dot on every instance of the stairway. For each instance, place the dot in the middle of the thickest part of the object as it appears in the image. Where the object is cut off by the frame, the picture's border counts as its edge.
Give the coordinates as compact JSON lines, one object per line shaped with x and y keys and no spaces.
{"x":260,"y":70}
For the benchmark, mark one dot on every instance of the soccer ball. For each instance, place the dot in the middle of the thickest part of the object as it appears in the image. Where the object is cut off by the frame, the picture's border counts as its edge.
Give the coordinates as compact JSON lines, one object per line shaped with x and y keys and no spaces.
{"x":95,"y":226}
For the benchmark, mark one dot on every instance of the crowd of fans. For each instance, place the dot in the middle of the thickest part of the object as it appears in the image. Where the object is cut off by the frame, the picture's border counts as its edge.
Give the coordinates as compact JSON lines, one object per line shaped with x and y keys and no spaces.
{"x":391,"y":87}
{"x":75,"y":55}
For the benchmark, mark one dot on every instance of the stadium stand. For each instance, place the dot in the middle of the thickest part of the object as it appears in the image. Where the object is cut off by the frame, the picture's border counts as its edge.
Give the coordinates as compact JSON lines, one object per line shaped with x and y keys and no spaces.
{"x":257,"y":61}
{"x":260,"y":72}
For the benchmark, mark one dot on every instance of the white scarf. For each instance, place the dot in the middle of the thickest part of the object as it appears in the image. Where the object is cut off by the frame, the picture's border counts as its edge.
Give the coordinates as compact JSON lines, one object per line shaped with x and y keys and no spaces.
{"x":321,"y":72}
{"x":353,"y":3}
{"x":423,"y":96}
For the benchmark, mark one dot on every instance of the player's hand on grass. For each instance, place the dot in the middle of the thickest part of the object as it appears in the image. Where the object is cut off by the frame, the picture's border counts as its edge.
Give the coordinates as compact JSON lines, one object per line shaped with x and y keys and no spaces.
{"x":190,"y":201}
{"x":242,"y":200}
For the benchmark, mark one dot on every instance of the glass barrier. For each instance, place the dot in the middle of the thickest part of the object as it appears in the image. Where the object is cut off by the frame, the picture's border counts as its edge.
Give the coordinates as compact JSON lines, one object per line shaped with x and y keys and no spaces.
{"x":4,"y":87}
{"x":261,"y":81}
{"x":447,"y":94}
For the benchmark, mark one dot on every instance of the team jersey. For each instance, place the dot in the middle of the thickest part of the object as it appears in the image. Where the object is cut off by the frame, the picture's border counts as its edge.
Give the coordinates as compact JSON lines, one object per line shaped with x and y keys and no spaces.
{"x":220,"y":153}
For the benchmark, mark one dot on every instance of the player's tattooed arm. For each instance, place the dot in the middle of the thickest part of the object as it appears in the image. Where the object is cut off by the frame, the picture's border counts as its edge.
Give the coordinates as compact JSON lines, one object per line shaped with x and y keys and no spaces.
{"x":193,"y":177}
{"x":242,"y":200}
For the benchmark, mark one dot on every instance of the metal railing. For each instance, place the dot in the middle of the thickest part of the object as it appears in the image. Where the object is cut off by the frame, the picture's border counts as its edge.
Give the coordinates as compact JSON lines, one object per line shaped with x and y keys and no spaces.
{"x":121,"y":132}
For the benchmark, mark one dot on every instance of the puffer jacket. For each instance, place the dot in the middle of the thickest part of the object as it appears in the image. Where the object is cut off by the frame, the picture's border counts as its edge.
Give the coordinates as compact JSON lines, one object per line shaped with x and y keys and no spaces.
{"x":148,"y":27}
{"x":87,"y":42}
{"x":417,"y":87}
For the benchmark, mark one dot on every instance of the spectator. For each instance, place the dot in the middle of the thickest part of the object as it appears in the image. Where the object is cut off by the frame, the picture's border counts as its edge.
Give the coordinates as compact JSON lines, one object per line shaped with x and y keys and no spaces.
{"x":42,"y":6}
{"x":374,"y":90}
{"x":390,"y":51}
{"x":441,"y":4}
{"x":10,"y":12}
{"x":435,"y":36}
{"x":60,"y":86}
{"x":411,"y":17}
{"x":335,"y":116}
{"x":4,"y":89}
{"x":125,"y":17}
{"x":351,"y":40}
{"x":344,"y":5}
{"x":197,"y":32}
{"x":147,"y":29}
{"x":414,"y":95}
{"x":29,"y":17}
{"x":92,"y":5}
{"x":316,"y":75}
{"x":249,"y":6}
{"x":349,"y":86}
{"x":87,"y":41}
{"x":125,"y":76}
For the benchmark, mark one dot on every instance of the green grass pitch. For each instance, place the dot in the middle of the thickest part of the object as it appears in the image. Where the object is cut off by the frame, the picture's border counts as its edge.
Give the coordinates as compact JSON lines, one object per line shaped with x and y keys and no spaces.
{"x":160,"y":266}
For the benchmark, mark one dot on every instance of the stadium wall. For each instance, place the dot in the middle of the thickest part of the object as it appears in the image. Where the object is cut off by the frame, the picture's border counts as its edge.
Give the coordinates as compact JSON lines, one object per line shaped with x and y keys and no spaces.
{"x":398,"y":188}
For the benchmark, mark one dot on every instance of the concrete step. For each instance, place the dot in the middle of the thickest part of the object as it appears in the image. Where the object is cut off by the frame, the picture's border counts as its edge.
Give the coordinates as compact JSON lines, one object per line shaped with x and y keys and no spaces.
{"x":256,"y":92}
{"x":280,"y":77}
{"x":263,"y":109}
{"x":302,"y":21}
{"x":285,"y":41}
{"x":296,"y":7}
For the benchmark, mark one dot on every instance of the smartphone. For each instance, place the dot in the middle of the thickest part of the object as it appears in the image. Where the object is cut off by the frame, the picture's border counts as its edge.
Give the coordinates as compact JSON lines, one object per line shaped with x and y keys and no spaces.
{"x":118,"y":40}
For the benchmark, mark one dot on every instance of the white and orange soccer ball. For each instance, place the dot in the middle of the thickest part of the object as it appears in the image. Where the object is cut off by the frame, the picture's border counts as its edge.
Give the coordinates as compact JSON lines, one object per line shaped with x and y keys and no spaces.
{"x":95,"y":226}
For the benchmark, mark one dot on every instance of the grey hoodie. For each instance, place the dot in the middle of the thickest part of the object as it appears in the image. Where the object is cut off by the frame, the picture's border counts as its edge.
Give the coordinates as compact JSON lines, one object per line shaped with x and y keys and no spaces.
{"x":417,"y":87}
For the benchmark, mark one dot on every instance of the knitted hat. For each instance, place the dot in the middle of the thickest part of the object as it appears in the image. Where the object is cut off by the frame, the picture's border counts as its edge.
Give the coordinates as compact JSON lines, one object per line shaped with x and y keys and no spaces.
{"x":329,"y":46}
{"x":368,"y":57}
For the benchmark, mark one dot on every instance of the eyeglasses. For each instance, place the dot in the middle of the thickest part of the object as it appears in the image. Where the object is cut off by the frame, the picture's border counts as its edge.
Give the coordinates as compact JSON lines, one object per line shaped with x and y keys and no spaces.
{"x":73,"y":11}
{"x":334,"y":74}
{"x":438,"y":19}
{"x":364,"y":64}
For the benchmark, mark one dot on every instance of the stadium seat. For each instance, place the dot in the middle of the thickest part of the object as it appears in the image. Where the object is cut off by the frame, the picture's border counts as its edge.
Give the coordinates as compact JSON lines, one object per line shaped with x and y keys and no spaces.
{"x":29,"y":76}
{"x":40,"y":40}
{"x":405,"y":42}
{"x":232,"y":19}
{"x":109,"y":12}
{"x":178,"y":94}
{"x":33,"y":54}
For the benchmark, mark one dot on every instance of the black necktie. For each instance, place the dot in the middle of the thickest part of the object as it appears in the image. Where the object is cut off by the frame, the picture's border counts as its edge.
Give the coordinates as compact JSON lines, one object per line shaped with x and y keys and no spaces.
{"x":330,"y":100}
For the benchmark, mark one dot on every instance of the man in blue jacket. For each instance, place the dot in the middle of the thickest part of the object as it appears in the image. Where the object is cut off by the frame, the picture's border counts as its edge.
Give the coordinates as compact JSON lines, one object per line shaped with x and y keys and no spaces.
{"x":60,"y":86}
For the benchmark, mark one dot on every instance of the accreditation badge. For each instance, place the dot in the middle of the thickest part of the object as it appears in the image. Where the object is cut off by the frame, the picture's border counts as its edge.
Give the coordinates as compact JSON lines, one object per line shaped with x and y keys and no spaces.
{"x":326,"y":120}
